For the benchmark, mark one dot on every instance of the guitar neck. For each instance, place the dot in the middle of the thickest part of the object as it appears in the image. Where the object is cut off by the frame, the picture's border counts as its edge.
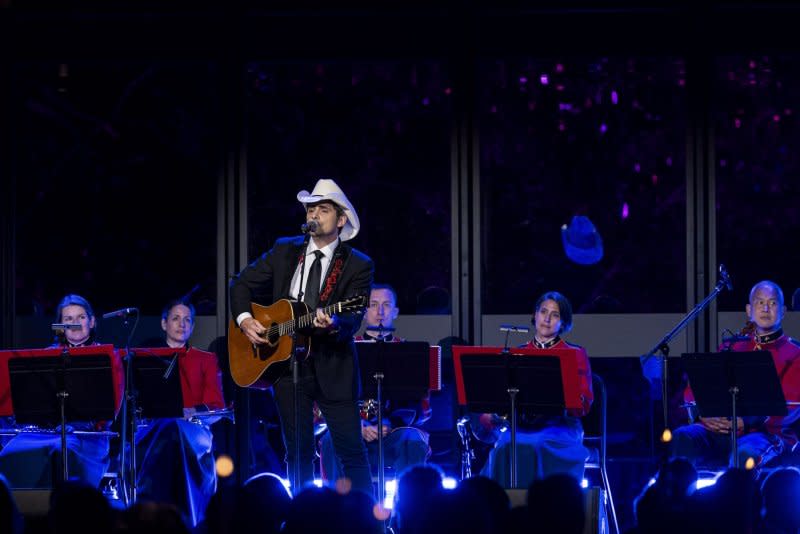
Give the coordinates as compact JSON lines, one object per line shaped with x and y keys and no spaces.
{"x":308,"y":319}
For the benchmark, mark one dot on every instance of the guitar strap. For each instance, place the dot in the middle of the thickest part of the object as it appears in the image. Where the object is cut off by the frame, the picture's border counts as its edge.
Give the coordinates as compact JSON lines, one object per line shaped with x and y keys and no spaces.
{"x":342,"y":252}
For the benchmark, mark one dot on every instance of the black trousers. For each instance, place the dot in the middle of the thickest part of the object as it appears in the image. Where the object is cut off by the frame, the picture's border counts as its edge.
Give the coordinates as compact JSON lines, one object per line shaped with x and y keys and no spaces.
{"x":344,"y":424}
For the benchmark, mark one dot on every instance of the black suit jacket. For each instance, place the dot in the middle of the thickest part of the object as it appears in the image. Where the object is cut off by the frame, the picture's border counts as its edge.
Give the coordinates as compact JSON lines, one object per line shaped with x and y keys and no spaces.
{"x":334,"y":353}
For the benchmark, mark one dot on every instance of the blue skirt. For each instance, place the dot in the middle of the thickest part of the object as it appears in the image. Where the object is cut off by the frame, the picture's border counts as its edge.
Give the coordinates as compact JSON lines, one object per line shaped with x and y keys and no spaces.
{"x":175,"y":464}
{"x":555,"y":447}
{"x":33,"y":460}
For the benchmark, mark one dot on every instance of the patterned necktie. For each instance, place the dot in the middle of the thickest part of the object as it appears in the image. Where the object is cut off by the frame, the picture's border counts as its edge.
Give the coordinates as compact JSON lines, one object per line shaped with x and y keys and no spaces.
{"x":311,"y":296}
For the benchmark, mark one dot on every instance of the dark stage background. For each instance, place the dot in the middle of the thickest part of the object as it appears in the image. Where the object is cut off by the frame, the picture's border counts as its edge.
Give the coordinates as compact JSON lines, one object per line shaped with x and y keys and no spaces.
{"x":147,"y":152}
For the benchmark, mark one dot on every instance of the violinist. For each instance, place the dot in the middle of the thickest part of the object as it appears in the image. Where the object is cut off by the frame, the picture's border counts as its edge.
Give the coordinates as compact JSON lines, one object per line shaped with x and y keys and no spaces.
{"x":760,"y":438}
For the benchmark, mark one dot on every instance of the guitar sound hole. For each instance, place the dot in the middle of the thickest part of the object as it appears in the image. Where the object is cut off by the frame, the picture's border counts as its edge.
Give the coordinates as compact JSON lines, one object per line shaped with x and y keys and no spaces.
{"x":272,"y":336}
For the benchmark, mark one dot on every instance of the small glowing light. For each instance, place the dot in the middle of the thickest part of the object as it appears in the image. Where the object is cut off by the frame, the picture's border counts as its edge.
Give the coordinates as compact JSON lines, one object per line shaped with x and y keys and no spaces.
{"x":224,"y":466}
{"x":654,"y":179}
{"x":637,"y":167}
{"x":449,"y":483}
{"x":448,"y":90}
{"x":737,"y":123}
{"x":286,"y":483}
{"x":651,"y":482}
{"x":776,"y":118}
{"x":343,"y":486}
{"x":750,"y":463}
{"x":625,"y":210}
{"x":381,"y":513}
{"x":584,"y":483}
{"x":614,"y":97}
{"x":603,"y":128}
{"x":318,"y":482}
{"x":559,"y":67}
{"x":668,"y":161}
{"x":523,"y":80}
{"x":666,"y":436}
{"x":544,"y":79}
{"x":426,"y":101}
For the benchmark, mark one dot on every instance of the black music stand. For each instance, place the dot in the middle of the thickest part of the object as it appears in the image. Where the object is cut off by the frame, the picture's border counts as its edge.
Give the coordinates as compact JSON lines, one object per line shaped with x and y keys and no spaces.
{"x":733,"y":384}
{"x":158,"y":386}
{"x":400,"y":371}
{"x":505,"y":382}
{"x":52,"y":390}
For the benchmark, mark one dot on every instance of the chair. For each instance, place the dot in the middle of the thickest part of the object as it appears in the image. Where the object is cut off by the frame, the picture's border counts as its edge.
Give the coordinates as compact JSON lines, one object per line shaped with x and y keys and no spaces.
{"x":594,"y":431}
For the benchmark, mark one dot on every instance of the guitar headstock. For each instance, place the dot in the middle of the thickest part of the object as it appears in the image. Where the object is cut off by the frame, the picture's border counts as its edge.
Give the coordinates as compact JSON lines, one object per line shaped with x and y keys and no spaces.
{"x":356,"y":303}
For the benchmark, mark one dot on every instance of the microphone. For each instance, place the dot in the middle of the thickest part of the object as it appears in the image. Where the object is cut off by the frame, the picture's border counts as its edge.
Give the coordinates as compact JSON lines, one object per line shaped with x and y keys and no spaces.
{"x":725,"y":278}
{"x":514,"y":328}
{"x":124,"y":312}
{"x":309,"y":227}
{"x":65,"y":326}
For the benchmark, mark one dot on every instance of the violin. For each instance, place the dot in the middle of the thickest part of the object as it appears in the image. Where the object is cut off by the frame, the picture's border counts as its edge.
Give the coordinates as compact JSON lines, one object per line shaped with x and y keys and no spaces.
{"x":749,"y":329}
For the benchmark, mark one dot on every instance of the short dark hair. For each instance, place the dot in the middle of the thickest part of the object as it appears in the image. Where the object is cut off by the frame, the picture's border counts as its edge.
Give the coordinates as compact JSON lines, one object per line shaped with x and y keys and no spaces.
{"x":337,"y":207}
{"x":73,"y":300}
{"x":175,"y":302}
{"x":564,"y":308}
{"x":388,"y":288}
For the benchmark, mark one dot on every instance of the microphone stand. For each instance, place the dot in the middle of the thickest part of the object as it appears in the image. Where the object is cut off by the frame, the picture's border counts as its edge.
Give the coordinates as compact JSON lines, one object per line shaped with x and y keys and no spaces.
{"x":62,"y":399}
{"x":663,"y":345}
{"x":512,"y":393}
{"x":295,"y":474}
{"x":378,"y":376}
{"x":128,"y":420}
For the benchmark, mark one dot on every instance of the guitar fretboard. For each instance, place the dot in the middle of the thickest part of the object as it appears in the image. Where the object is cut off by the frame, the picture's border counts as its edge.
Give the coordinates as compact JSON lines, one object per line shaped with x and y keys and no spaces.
{"x":288,"y":328}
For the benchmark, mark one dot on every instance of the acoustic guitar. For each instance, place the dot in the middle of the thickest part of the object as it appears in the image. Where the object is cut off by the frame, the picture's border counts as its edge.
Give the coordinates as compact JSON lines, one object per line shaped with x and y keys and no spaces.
{"x":261,"y":365}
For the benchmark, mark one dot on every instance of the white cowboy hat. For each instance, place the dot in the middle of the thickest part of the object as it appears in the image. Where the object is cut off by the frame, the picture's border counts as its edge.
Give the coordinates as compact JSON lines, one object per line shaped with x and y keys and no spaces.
{"x":326,"y":189}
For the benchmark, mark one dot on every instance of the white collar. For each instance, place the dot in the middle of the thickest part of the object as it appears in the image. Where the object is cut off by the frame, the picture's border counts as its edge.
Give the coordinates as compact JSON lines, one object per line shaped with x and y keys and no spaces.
{"x":327,"y":250}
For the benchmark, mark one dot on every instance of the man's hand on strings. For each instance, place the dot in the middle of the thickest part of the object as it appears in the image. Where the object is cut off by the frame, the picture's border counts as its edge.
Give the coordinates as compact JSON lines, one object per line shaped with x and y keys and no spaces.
{"x":253,"y":330}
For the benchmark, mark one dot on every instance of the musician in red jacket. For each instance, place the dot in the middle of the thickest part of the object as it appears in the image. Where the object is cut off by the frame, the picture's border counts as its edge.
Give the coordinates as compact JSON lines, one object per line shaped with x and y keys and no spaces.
{"x":404,"y":443}
{"x":33,"y":459}
{"x":175,"y":456}
{"x":760,"y":438}
{"x":545,"y":444}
